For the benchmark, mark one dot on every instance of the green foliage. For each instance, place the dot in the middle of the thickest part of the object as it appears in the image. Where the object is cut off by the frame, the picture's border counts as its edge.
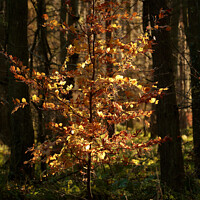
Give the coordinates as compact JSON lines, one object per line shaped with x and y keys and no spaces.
{"x":139,"y":181}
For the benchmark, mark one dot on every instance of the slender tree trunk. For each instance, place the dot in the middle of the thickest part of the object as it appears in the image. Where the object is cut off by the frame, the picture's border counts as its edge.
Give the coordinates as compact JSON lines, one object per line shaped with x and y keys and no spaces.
{"x":22,"y":136}
{"x":146,"y":20}
{"x":192,"y":25}
{"x":171,"y":159}
{"x":110,"y":127}
{"x":175,"y":20}
{"x":72,"y":20}
{"x":63,"y":41}
{"x":43,"y":66}
{"x":4,"y":125}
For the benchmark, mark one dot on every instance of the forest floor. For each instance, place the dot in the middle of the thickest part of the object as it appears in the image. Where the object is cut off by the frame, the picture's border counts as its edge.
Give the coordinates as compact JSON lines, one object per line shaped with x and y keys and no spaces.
{"x":118,"y":182}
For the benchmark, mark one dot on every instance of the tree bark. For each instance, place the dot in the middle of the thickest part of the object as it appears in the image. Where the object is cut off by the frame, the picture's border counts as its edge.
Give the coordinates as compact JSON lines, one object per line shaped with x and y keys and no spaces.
{"x":43,"y":66}
{"x":4,"y":125}
{"x":110,"y":127}
{"x":72,"y":20}
{"x":63,"y":41}
{"x":192,"y":25}
{"x":171,"y":158}
{"x":22,"y":136}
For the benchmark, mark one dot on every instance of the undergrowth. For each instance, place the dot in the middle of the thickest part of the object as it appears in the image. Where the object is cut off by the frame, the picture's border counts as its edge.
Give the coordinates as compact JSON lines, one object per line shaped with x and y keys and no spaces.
{"x":140,"y":181}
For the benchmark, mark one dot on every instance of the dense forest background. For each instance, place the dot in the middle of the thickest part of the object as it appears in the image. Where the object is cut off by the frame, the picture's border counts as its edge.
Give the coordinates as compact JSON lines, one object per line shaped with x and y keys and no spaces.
{"x":99,"y":99}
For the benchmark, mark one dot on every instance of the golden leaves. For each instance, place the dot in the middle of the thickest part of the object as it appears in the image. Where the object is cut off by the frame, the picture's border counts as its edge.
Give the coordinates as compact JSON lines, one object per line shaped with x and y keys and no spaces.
{"x":152,"y":100}
{"x":97,"y":94}
{"x":119,"y":77}
{"x":23,"y":100}
{"x":19,"y":104}
{"x":47,"y":105}
{"x":35,"y":98}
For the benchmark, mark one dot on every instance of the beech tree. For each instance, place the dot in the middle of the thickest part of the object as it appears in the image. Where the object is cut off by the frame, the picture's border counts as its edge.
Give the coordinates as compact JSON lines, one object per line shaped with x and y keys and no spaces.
{"x":97,"y":99}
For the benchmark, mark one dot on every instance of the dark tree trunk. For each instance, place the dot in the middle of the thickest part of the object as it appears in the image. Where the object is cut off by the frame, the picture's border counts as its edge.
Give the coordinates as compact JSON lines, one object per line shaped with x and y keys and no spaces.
{"x":171,"y":159}
{"x":22,"y":136}
{"x":176,"y":48}
{"x":43,"y":66}
{"x":192,"y":25}
{"x":43,"y":46}
{"x":72,"y":20}
{"x":4,"y":125}
{"x":110,"y":127}
{"x":63,"y":41}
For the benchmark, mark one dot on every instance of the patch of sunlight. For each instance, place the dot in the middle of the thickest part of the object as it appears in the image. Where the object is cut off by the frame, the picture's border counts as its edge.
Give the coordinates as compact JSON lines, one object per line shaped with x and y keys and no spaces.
{"x":4,"y":154}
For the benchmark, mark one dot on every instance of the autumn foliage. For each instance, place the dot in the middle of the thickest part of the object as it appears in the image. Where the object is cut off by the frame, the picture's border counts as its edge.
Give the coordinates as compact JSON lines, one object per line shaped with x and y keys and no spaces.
{"x":100,"y":98}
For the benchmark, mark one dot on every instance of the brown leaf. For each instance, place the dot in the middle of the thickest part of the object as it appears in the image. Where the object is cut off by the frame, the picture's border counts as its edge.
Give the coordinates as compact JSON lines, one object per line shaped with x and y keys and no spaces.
{"x":45,"y":17}
{"x":168,"y":28}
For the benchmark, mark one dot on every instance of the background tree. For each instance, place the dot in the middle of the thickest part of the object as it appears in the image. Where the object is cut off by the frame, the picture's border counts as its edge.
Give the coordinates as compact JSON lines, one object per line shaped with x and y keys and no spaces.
{"x":4,"y":130}
{"x":171,"y":159}
{"x":191,"y":16}
{"x":109,"y":67}
{"x":73,"y":18}
{"x":63,"y":15}
{"x":43,"y":66}
{"x":20,"y":122}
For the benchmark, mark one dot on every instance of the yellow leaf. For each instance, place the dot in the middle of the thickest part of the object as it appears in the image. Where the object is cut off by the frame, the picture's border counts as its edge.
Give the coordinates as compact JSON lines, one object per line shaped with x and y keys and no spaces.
{"x":114,"y":26}
{"x":57,"y":92}
{"x":56,"y":125}
{"x":34,"y":97}
{"x":54,"y":22}
{"x":133,"y":81}
{"x":152,"y":100}
{"x":140,"y":87}
{"x":108,"y":50}
{"x":119,"y":77}
{"x":18,"y":69}
{"x":23,"y":100}
{"x":184,"y":138}
{"x":101,"y":155}
{"x":67,"y":59}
